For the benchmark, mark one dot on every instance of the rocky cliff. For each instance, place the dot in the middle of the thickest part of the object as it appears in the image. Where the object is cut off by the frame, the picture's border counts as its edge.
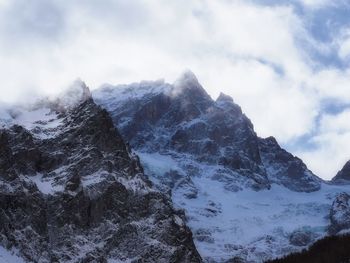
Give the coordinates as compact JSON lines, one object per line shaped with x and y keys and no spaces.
{"x":72,"y":191}
{"x":343,"y":176}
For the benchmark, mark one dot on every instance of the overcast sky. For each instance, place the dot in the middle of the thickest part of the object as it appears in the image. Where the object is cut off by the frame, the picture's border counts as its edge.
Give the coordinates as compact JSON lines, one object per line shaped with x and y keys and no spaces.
{"x":286,"y":62}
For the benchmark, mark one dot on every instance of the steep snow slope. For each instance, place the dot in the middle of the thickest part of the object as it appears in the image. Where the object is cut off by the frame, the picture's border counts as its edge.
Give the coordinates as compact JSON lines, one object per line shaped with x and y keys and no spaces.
{"x":244,"y":197}
{"x":72,"y":191}
{"x":248,"y":224}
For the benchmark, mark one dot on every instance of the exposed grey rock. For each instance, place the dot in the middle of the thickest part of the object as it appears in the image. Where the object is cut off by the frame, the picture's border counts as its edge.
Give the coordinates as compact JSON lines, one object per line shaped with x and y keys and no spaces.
{"x":285,"y":169}
{"x":302,"y":238}
{"x":340,"y":213}
{"x":223,"y":98}
{"x":203,"y":235}
{"x":343,"y":176}
{"x":80,"y":195}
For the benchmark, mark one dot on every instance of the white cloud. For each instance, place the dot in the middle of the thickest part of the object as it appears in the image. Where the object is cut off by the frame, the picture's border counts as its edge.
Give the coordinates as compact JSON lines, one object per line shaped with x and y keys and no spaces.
{"x":331,"y":83}
{"x":326,"y":161}
{"x":251,"y":52}
{"x":3,"y":3}
{"x":316,"y":3}
{"x":333,"y":142}
{"x":344,"y":44}
{"x":275,"y":105}
{"x":339,"y":123}
{"x":331,"y":154}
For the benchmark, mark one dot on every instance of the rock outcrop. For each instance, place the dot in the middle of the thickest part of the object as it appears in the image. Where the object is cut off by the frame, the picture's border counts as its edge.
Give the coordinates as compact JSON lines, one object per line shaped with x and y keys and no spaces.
{"x":343,"y":176}
{"x":72,"y":191}
{"x":340,"y":213}
{"x":285,"y":169}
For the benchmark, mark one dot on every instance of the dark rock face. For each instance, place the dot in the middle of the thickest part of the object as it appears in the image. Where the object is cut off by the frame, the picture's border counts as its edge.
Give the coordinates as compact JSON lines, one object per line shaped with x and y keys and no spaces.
{"x":302,"y":238}
{"x":340,"y":213}
{"x":78,"y":194}
{"x":182,"y":119}
{"x":343,"y":176}
{"x":285,"y":169}
{"x":18,"y":149}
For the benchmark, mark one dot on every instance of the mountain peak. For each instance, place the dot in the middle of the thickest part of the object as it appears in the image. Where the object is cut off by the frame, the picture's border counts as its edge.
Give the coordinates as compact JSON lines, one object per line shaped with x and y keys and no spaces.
{"x":74,"y":95}
{"x":187,"y":84}
{"x":187,"y":77}
{"x":343,"y":176}
{"x":224,"y":98}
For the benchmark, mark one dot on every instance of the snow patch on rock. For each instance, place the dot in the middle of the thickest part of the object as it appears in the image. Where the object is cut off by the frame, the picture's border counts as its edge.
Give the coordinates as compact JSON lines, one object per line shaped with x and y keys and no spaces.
{"x":8,"y":256}
{"x":251,"y":225}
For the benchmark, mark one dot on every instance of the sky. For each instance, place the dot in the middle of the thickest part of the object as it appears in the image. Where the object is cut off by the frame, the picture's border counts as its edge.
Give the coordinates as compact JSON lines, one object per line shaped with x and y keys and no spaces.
{"x":285,"y":62}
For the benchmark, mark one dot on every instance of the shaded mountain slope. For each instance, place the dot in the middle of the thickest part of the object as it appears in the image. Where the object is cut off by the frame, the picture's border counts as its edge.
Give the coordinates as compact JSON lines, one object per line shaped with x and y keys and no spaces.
{"x":245,"y":197}
{"x":182,"y":118}
{"x":72,"y":191}
{"x":343,"y":176}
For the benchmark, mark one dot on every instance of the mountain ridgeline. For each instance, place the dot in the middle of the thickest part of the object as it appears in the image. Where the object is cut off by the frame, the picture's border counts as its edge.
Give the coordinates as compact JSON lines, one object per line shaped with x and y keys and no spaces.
{"x":182,"y":118}
{"x":245,"y":198}
{"x":155,"y":172}
{"x":343,"y":176}
{"x":72,"y":191}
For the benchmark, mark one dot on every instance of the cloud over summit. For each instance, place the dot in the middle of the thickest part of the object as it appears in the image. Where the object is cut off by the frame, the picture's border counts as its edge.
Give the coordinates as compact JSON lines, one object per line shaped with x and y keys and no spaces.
{"x":280,"y":60}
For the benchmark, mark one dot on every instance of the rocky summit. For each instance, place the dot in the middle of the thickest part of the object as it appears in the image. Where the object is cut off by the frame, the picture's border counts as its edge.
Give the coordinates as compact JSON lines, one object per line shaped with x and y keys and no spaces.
{"x":72,"y":191}
{"x":343,"y":176}
{"x":182,"y":119}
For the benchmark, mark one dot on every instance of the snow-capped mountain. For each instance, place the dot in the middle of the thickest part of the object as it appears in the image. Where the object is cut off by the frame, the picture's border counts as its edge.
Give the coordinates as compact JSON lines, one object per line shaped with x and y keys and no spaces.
{"x":72,"y":191}
{"x":245,"y":198}
{"x":77,"y":185}
{"x":182,"y":119}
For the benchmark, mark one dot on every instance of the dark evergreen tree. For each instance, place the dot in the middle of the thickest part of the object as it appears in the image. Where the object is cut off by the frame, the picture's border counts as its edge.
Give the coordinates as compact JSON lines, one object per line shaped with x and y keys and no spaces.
{"x":333,"y":249}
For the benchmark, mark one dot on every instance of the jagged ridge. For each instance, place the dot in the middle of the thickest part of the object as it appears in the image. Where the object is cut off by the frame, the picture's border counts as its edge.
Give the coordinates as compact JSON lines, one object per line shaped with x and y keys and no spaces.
{"x":343,"y":176}
{"x":206,"y":154}
{"x":183,"y":118}
{"x":73,"y":192}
